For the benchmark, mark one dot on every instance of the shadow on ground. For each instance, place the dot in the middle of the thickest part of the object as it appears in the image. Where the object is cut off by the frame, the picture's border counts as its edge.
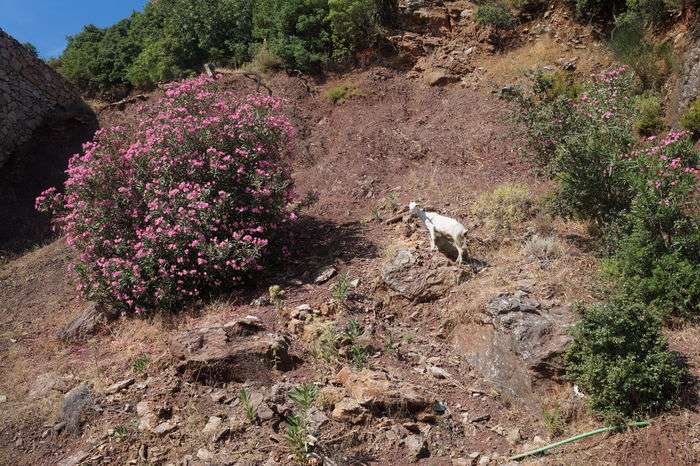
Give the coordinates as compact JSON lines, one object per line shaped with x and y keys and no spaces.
{"x":37,"y":165}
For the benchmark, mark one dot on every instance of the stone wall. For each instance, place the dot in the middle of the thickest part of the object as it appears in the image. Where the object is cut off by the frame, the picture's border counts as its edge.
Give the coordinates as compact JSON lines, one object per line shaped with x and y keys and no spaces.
{"x":690,"y":80}
{"x":30,"y":92}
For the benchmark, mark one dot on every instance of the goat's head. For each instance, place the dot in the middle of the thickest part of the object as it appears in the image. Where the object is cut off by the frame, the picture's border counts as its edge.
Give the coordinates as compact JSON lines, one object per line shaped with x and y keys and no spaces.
{"x":412,"y":207}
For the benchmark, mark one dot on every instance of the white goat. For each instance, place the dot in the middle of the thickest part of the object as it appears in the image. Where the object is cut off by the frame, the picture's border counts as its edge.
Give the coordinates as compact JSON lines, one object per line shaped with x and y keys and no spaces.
{"x":444,"y":226}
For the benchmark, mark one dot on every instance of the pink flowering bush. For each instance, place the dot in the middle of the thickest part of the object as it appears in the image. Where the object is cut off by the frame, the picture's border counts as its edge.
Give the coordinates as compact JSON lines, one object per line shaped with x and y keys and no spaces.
{"x":186,"y":199}
{"x":657,"y":255}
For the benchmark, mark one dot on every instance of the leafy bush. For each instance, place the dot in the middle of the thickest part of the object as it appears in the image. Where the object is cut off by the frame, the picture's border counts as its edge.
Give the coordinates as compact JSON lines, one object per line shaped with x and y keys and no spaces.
{"x":653,"y":11}
{"x":173,"y":38}
{"x":353,"y":24}
{"x":691,"y":118}
{"x":504,"y":207}
{"x":496,"y":15}
{"x":97,"y":59}
{"x":656,"y":258}
{"x":621,"y":361}
{"x":596,"y":8}
{"x":590,"y":160}
{"x":651,"y":62}
{"x":186,"y":199}
{"x":649,"y":118}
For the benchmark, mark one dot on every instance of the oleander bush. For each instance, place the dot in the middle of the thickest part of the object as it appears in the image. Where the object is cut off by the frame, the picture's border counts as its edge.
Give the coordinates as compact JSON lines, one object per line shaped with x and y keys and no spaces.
{"x":185,"y":200}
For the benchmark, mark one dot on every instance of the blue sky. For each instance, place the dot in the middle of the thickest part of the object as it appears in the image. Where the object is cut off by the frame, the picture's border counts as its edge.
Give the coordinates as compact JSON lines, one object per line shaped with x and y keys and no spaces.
{"x":46,"y":23}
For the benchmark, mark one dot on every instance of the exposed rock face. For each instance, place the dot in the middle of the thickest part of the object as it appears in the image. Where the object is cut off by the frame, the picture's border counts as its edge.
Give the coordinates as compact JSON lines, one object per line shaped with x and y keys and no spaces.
{"x":690,"y":81}
{"x":377,"y":392}
{"x":237,"y":351}
{"x":518,"y":345}
{"x":30,"y":91}
{"x":420,"y":279}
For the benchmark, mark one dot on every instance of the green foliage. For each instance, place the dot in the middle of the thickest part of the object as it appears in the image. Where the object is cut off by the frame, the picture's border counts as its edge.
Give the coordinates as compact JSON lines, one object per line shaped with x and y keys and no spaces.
{"x":691,"y":118}
{"x":656,"y":256}
{"x":654,"y":11}
{"x":553,"y":420}
{"x":621,"y":361}
{"x":173,"y":38}
{"x":297,"y":436}
{"x":353,"y":25}
{"x":596,"y":8}
{"x":304,"y":395}
{"x":495,"y":15}
{"x":97,"y":59}
{"x":32,"y":49}
{"x":247,"y":404}
{"x":651,"y":62}
{"x":140,"y":364}
{"x":340,"y":289}
{"x":649,"y":119}
{"x":342,"y":92}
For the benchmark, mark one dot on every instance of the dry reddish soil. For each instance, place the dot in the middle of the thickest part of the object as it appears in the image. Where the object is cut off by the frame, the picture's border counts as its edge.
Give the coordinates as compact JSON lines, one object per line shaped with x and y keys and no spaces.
{"x":398,"y":140}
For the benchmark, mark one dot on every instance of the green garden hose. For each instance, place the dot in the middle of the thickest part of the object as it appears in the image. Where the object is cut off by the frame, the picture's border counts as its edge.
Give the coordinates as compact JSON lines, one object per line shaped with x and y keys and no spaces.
{"x":578,"y":437}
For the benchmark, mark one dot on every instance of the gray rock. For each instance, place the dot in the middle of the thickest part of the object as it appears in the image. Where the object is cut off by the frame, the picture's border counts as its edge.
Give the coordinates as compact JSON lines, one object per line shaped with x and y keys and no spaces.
{"x":75,"y":402}
{"x":165,"y":427}
{"x":325,"y":275}
{"x":416,"y":446}
{"x":438,"y":372}
{"x":420,"y":279}
{"x":118,"y":386}
{"x":519,"y":345}
{"x":46,"y":383}
{"x":212,"y":426}
{"x":235,"y":351}
{"x":75,"y":459}
{"x":690,"y":76}
{"x":89,"y":321}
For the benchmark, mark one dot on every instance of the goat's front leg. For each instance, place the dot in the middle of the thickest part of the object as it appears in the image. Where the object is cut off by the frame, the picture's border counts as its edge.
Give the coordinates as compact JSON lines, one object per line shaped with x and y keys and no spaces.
{"x":431,"y":229}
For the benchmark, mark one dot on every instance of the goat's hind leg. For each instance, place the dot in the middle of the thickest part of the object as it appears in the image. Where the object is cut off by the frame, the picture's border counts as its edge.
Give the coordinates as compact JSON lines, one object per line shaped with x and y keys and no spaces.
{"x":431,"y":229}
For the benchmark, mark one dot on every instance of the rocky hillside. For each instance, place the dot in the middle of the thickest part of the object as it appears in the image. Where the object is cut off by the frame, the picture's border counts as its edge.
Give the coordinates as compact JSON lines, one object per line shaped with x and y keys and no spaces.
{"x":363,"y":346}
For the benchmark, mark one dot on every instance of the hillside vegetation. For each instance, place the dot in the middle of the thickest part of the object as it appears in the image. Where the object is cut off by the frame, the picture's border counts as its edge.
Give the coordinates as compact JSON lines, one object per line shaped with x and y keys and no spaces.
{"x":172,"y":39}
{"x":218,"y":313}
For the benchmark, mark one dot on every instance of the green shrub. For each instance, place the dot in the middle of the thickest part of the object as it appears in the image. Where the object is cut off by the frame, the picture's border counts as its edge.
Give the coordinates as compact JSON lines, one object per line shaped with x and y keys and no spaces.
{"x":649,"y":119}
{"x":504,"y":207}
{"x":651,"y":62}
{"x":691,"y":118}
{"x":342,"y":92}
{"x":656,"y":257}
{"x":621,"y":362}
{"x":353,"y":25}
{"x":597,"y":8}
{"x":654,"y":11}
{"x":590,"y":160}
{"x":496,"y":15}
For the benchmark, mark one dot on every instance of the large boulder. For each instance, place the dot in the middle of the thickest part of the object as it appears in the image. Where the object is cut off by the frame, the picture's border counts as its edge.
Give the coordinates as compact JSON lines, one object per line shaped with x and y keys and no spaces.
{"x":88,"y":322}
{"x":517,"y":345}
{"x":421,"y":278}
{"x":381,"y":394}
{"x":237,"y":351}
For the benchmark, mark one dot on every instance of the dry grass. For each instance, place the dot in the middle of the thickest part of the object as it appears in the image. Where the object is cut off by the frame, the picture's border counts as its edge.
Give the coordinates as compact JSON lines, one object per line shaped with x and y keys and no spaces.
{"x":543,"y":247}
{"x":504,"y":208}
